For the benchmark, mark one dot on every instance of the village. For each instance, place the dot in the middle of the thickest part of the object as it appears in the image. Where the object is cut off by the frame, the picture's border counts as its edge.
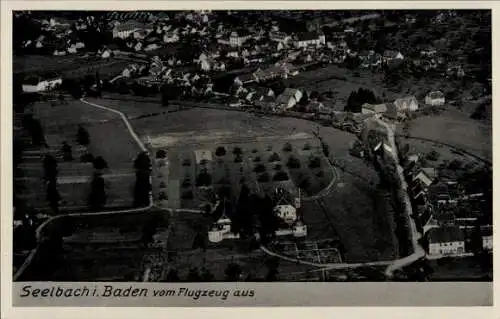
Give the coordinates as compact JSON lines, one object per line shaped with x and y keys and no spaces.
{"x":328,"y":72}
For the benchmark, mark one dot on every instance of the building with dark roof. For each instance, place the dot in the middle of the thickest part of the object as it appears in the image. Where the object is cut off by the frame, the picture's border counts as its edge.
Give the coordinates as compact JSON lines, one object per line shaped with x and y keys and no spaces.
{"x":446,"y":241}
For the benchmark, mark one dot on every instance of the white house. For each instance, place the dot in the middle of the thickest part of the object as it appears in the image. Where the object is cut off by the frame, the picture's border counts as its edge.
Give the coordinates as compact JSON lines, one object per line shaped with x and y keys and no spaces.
{"x":408,"y":103}
{"x":426,"y":176}
{"x":487,"y":237}
{"x":435,"y":98}
{"x":236,"y":40}
{"x":391,"y":56}
{"x":306,"y":39}
{"x":171,"y":37}
{"x":289,"y":98}
{"x":38,"y":84}
{"x":446,"y":241}
{"x":280,"y":37}
{"x":287,"y":213}
{"x":125,"y":29}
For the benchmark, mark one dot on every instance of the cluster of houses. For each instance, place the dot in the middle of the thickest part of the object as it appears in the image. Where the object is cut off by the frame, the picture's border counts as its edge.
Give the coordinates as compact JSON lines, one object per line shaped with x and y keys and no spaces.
{"x":447,"y":227}
{"x":285,"y":208}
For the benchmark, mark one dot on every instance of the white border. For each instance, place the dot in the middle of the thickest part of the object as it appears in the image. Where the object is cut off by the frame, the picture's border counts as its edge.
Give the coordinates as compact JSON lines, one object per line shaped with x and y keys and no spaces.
{"x":6,"y":168}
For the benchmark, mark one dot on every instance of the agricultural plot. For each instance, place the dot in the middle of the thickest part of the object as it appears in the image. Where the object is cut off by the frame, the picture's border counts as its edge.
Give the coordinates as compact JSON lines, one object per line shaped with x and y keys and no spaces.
{"x":108,"y":138}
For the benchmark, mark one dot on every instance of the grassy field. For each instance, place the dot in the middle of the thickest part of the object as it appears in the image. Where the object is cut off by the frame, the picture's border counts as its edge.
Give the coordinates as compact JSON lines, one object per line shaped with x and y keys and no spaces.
{"x":108,"y":138}
{"x":457,"y":129}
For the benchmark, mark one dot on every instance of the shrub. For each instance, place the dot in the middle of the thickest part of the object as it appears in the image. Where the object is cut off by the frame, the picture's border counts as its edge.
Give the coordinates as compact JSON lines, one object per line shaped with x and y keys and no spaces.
{"x":280,"y":176}
{"x":305,"y":184}
{"x":274,"y":157}
{"x":162,"y":196}
{"x":263,"y":178}
{"x":256,"y":159}
{"x":163,"y":185}
{"x":186,"y":183}
{"x":314,"y":162}
{"x":237,"y":151}
{"x":161,"y":154}
{"x":307,"y":147}
{"x":186,"y":162}
{"x":432,"y":156}
{"x":293,"y":162}
{"x":278,"y":167}
{"x":203,"y":179}
{"x":254,"y":150}
{"x":287,"y":147}
{"x":238,"y":159}
{"x":259,"y":168}
{"x":320,"y":174}
{"x":87,"y":158}
{"x":187,"y":195}
{"x":204,"y":162}
{"x":220,"y":151}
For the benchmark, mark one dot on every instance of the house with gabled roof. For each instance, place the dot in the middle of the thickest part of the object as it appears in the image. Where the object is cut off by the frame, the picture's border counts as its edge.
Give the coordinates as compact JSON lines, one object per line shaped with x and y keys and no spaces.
{"x":289,"y":98}
{"x":446,"y":241}
{"x":407,"y":103}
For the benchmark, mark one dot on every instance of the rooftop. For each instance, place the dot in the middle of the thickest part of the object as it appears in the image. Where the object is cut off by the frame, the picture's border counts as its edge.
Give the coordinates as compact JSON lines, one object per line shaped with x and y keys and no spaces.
{"x":445,"y":235}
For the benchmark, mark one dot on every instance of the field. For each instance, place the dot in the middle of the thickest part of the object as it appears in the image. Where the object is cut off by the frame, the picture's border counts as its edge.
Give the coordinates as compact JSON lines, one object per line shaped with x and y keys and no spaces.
{"x":456,"y":129}
{"x":354,"y":210}
{"x":68,"y":66}
{"x":108,"y":138}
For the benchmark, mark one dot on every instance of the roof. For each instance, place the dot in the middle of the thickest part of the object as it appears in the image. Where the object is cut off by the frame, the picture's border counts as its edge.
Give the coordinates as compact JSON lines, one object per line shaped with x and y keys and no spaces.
{"x":406,"y":99}
{"x":377,"y":108}
{"x":486,"y":231}
{"x":131,"y":25}
{"x":390,"y":53}
{"x":436,"y":95}
{"x":430,"y":172}
{"x":391,"y":111}
{"x":445,"y":235}
{"x":306,"y":36}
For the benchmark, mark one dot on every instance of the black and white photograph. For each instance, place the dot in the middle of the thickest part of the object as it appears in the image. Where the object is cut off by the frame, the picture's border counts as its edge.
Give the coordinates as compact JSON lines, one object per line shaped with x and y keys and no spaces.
{"x":251,"y":146}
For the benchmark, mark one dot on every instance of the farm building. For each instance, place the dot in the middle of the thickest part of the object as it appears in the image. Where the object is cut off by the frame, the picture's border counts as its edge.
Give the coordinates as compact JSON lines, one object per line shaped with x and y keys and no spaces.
{"x":34,"y":84}
{"x":373,"y":108}
{"x":425,"y":176}
{"x":487,"y":237}
{"x":405,"y":104}
{"x":306,"y":39}
{"x":289,"y":98}
{"x":391,"y":56}
{"x":446,"y":241}
{"x":435,"y":98}
{"x":125,"y":29}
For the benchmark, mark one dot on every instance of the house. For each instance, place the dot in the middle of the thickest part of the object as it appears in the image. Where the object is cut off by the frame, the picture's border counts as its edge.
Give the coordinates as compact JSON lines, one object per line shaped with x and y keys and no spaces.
{"x":257,"y":93}
{"x":280,"y":37}
{"x":237,"y":39}
{"x":435,"y":98}
{"x":392,"y":56}
{"x":126,"y":29}
{"x":106,"y":54}
{"x":261,"y":75}
{"x":425,"y":176}
{"x":487,"y":237}
{"x":138,"y":46}
{"x":35,"y":84}
{"x":244,"y":79}
{"x":287,"y":213}
{"x":314,"y":107}
{"x":152,"y":47}
{"x":428,"y":51}
{"x":445,"y":241}
{"x":171,"y":37}
{"x":373,"y":108}
{"x":140,"y":34}
{"x":306,"y":39}
{"x":405,"y":104}
{"x":289,"y":98}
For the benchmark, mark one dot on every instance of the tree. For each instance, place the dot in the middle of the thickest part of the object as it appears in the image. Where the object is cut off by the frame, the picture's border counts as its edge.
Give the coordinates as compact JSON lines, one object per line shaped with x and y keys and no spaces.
{"x":238,"y":159}
{"x":287,"y":147}
{"x":67,"y":152}
{"x":272,"y":265}
{"x":314,"y":162}
{"x":233,"y":272}
{"x":263,"y":178}
{"x":432,"y":156}
{"x":206,"y":275}
{"x":173,"y":276}
{"x":357,"y":98}
{"x":97,"y":197}
{"x":274,"y":157}
{"x":293,"y":162}
{"x":143,"y":187}
{"x":82,"y":136}
{"x":53,"y":196}
{"x":220,"y":151}
{"x":34,"y":129}
{"x":237,"y":151}
{"x":161,"y":154}
{"x":280,"y":176}
{"x":260,"y":168}
{"x":100,"y":163}
{"x":50,"y":168}
{"x":203,"y":179}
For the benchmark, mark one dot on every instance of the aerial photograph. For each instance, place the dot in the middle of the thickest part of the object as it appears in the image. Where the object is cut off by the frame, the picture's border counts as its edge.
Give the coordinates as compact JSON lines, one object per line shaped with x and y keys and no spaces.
{"x":252,"y":146}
